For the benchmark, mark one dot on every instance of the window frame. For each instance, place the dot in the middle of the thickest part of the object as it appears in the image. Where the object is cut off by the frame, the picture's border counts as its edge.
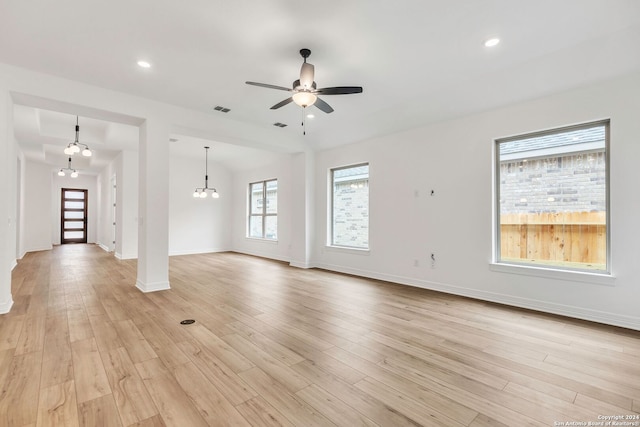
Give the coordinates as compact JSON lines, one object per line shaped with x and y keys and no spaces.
{"x":264,"y":214}
{"x":541,"y":269}
{"x":330,"y":234}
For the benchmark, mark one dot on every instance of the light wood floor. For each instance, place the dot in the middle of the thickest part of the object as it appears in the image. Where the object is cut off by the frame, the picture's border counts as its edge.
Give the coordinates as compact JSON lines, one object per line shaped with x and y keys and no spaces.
{"x":278,"y":346}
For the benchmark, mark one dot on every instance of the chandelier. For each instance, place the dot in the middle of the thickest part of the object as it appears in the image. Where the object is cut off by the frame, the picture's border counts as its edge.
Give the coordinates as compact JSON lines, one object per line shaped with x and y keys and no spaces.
{"x":75,"y":146}
{"x":202,"y":192}
{"x":74,"y":173}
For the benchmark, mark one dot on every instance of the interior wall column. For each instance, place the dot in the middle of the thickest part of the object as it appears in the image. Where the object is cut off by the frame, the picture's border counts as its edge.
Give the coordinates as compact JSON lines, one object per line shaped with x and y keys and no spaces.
{"x":303,"y":212}
{"x":153,"y":207}
{"x":7,"y":176}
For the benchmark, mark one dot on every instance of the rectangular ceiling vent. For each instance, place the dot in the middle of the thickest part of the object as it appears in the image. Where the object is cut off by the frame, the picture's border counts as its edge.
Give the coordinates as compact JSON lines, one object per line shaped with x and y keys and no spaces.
{"x":221,"y":109}
{"x":280,"y":125}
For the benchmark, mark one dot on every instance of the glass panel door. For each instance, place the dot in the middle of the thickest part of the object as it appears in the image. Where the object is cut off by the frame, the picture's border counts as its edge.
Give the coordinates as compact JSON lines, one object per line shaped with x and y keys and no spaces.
{"x":73,"y":216}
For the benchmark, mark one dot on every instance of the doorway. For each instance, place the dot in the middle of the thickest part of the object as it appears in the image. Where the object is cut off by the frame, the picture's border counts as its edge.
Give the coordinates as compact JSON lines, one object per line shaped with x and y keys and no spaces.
{"x":73,"y":216}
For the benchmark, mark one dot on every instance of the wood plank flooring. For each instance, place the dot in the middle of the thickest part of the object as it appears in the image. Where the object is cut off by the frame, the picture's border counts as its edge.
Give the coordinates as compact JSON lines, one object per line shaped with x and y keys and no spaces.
{"x":278,"y":346}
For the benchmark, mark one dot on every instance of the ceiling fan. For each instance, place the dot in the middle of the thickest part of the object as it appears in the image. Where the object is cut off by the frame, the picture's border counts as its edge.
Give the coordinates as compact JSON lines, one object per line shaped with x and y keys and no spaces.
{"x":304,"y":89}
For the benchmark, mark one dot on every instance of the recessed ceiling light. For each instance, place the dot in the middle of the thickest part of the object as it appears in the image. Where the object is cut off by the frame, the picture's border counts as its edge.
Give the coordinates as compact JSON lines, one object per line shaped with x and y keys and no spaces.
{"x":144,"y":64}
{"x":492,"y":42}
{"x":310,"y":116}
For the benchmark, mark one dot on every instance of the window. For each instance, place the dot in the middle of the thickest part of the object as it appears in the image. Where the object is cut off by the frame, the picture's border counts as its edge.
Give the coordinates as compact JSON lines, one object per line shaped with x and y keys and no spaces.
{"x":263,"y":210}
{"x":350,"y":206}
{"x":553,"y":198}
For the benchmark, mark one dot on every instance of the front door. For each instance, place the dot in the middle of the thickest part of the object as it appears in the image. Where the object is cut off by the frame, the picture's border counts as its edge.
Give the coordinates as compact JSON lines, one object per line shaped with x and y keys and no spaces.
{"x":73,"y":216}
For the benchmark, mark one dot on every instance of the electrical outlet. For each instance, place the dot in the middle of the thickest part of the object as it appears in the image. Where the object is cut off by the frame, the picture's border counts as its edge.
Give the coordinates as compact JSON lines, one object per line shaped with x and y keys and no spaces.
{"x":433,"y":260}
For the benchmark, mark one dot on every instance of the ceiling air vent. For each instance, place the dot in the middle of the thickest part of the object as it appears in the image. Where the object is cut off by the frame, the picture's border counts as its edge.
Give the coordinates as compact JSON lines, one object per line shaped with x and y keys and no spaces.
{"x":221,"y":109}
{"x":280,"y":125}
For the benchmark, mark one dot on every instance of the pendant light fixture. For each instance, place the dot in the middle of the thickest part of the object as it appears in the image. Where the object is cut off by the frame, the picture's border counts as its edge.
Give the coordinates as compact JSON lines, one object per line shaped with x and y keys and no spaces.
{"x":201,"y":192}
{"x":74,"y":147}
{"x":74,"y":173}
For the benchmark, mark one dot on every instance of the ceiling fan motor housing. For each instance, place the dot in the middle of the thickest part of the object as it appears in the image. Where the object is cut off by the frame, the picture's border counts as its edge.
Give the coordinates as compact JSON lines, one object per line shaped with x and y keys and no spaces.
{"x":305,"y":53}
{"x":297,"y":86}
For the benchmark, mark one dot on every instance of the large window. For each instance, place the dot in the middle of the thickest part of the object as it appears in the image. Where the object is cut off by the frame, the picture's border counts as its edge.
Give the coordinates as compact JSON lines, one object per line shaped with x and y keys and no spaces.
{"x":553,"y":198}
{"x":350,"y":206}
{"x":263,"y":210}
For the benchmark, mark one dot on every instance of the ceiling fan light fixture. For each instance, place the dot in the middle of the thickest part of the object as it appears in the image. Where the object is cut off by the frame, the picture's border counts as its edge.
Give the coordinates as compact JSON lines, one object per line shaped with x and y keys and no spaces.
{"x":304,"y":99}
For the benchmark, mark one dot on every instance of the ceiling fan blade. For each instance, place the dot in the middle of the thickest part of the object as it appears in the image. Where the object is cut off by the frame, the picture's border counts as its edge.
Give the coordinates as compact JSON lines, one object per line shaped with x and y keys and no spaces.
{"x":283,"y":103}
{"x":323,"y":106}
{"x":339,"y":90}
{"x":307,"y":75}
{"x":269,"y":86}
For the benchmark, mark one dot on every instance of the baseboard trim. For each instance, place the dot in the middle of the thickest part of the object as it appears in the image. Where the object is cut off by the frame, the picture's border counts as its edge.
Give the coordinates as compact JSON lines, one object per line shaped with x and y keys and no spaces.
{"x":614,"y":319}
{"x":263,"y":255}
{"x":14,"y":264}
{"x":198,"y":251}
{"x":44,"y":248}
{"x":5,"y":307}
{"x":104,"y":247}
{"x":152,"y":287}
{"x":299,"y":264}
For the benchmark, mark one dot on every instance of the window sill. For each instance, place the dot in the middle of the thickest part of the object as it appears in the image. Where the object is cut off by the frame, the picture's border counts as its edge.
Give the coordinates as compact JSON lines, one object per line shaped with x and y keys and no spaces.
{"x":347,"y":250}
{"x":604,"y":279}
{"x":260,"y":239}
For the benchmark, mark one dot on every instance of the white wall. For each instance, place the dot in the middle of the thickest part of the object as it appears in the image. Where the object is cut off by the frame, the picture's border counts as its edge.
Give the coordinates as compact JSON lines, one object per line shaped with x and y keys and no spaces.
{"x":105,"y":201}
{"x":38,"y":207}
{"x":454,"y":158}
{"x":280,"y":249}
{"x":198,"y":225}
{"x":20,"y":205}
{"x":8,"y":187}
{"x":126,"y":170}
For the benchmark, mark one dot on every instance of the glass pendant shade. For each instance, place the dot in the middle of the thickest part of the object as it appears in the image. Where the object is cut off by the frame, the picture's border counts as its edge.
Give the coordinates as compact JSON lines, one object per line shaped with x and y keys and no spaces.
{"x":60,"y":172}
{"x":86,"y":152}
{"x":304,"y":99}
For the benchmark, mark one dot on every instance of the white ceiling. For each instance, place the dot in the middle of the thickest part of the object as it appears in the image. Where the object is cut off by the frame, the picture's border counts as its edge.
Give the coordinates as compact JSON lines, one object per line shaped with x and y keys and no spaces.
{"x":419,"y":61}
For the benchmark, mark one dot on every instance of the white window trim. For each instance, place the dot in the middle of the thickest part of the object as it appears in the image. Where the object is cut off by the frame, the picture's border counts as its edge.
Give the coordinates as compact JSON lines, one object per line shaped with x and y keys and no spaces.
{"x":596,"y":277}
{"x":263,"y":215}
{"x":605,"y":279}
{"x":329,"y":242}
